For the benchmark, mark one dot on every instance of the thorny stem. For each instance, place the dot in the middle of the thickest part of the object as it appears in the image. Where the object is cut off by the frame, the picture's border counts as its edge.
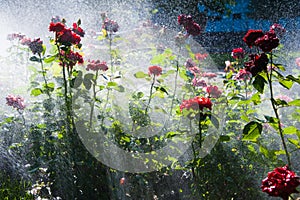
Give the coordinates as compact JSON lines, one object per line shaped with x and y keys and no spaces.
{"x":150,"y":96}
{"x":277,"y":115}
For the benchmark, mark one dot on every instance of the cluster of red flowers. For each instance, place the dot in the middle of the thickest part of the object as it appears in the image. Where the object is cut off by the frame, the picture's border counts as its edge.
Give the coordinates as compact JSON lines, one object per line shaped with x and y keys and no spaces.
{"x":281,"y":182}
{"x":196,"y":103}
{"x":65,"y":35}
{"x":191,"y":27}
{"x":265,"y":41}
{"x":15,"y":101}
{"x":96,"y":65}
{"x":110,"y":25}
{"x":155,"y":70}
{"x":238,"y":53}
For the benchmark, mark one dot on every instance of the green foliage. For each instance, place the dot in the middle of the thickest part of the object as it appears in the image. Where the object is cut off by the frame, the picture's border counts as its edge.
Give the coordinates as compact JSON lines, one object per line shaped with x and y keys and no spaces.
{"x":252,"y":131}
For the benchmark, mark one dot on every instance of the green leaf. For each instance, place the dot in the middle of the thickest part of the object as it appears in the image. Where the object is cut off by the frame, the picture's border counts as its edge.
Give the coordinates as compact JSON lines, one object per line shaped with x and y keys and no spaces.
{"x":162,"y":89}
{"x":267,"y":153}
{"x":280,"y":66}
{"x":224,"y":138}
{"x":256,"y":99}
{"x":36,"y":92}
{"x":252,"y":131}
{"x":49,"y":59}
{"x":290,"y":130}
{"x":76,"y":82}
{"x":295,"y":102}
{"x":79,"y":22}
{"x":111,"y":84}
{"x":87,"y":80}
{"x":34,"y":59}
{"x":125,"y":139}
{"x":294,"y":142}
{"x":157,"y":59}
{"x":286,"y":83}
{"x":140,"y":75}
{"x":290,"y":77}
{"x":259,"y":83}
{"x":50,"y":86}
{"x":119,"y":88}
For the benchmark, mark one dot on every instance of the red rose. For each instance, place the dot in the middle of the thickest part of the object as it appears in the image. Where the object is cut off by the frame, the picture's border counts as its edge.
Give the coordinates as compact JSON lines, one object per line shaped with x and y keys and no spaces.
{"x":196,"y":103}
{"x":213,"y":91}
{"x":15,"y":101}
{"x":238,"y":53}
{"x":281,"y":182}
{"x":97,"y":65}
{"x":110,"y":25}
{"x":252,"y":36}
{"x":268,"y":42}
{"x":155,"y":70}
{"x":79,"y":31}
{"x":257,"y":63}
{"x":72,"y":58}
{"x":243,"y":74}
{"x":68,"y":37}
{"x":191,"y":27}
{"x":56,"y":27}
{"x":36,"y":46}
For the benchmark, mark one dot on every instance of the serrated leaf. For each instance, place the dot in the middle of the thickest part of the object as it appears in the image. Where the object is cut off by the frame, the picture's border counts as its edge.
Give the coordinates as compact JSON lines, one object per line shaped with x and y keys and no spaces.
{"x":252,"y":131}
{"x":140,"y":75}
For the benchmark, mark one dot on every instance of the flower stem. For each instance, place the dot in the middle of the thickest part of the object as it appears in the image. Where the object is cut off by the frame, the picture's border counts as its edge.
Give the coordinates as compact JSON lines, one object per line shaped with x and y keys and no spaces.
{"x":44,"y":77}
{"x":200,"y":131}
{"x":94,"y":99}
{"x":150,"y":96}
{"x":277,"y":115}
{"x":175,"y":87}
